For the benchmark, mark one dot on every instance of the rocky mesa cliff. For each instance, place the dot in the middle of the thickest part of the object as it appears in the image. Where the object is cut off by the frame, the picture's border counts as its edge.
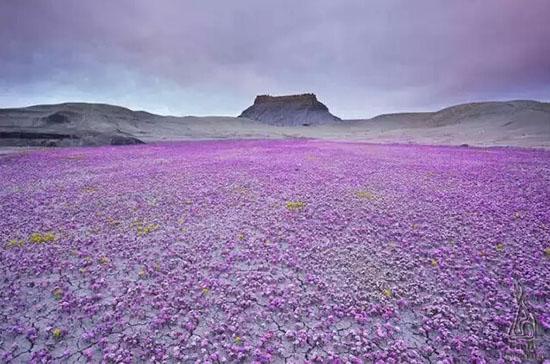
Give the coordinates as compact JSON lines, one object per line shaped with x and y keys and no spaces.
{"x":291,"y":110}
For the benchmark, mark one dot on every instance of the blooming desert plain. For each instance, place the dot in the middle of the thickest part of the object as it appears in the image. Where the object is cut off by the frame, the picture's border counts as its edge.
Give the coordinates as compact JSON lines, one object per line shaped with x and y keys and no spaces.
{"x":275,"y":251}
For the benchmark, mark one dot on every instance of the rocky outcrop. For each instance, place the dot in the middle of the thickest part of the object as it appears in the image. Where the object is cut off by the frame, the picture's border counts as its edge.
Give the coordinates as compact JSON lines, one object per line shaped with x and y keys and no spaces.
{"x":291,"y":110}
{"x":38,"y":139}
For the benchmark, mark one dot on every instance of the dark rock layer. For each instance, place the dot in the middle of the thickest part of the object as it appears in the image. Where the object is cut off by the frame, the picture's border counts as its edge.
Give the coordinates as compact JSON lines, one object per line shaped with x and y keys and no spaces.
{"x":38,"y":139}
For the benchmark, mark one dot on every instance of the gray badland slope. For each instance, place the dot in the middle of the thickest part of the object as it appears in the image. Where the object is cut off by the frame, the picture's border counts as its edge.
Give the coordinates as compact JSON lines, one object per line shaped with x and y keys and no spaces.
{"x":292,"y":110}
{"x":79,"y":124}
{"x":71,"y":124}
{"x":514,"y":123}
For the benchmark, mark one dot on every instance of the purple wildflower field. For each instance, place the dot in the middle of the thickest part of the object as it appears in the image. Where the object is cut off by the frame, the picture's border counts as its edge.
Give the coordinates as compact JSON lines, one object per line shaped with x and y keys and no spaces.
{"x":275,"y":251}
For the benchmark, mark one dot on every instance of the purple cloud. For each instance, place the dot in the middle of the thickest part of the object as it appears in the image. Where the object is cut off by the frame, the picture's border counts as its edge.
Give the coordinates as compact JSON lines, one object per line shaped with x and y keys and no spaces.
{"x":206,"y":57}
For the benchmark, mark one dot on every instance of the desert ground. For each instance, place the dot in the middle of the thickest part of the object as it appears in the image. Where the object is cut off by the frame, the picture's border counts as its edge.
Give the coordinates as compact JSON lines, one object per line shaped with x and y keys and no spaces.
{"x":275,"y":251}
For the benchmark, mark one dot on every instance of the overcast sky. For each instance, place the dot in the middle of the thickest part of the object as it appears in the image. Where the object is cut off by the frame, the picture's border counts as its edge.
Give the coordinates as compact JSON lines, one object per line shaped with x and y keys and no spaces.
{"x":202,"y":57}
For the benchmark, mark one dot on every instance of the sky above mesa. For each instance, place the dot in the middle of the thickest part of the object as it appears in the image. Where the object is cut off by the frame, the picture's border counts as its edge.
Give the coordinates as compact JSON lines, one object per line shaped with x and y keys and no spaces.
{"x":361,"y":58}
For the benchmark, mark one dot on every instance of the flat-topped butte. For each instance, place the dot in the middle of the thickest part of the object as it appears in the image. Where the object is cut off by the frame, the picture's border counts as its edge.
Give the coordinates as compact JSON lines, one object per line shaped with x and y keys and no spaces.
{"x":289,"y":110}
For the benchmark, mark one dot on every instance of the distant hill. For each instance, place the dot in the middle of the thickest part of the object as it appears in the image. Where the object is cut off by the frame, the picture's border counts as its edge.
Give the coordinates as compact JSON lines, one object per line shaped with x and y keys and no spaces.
{"x":71,"y":124}
{"x":291,"y":110}
{"x":512,"y":123}
{"x":518,"y":112}
{"x":519,"y":123}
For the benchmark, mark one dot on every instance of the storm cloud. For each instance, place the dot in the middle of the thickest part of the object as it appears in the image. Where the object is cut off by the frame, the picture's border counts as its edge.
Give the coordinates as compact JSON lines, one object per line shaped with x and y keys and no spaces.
{"x":205,"y":57}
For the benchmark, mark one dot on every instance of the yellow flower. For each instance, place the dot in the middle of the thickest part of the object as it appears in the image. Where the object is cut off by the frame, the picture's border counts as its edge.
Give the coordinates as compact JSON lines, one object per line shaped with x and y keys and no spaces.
{"x":112,"y":221}
{"x":205,"y":290}
{"x":295,"y":205}
{"x":104,"y":260}
{"x":238,"y":340}
{"x":14,"y":243}
{"x":434,"y":262}
{"x":57,"y":333}
{"x":38,"y":238}
{"x":547,"y":252}
{"x":499,"y":247}
{"x":144,"y":230}
{"x":365,"y":195}
{"x":58,"y":294}
{"x":387,"y":293}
